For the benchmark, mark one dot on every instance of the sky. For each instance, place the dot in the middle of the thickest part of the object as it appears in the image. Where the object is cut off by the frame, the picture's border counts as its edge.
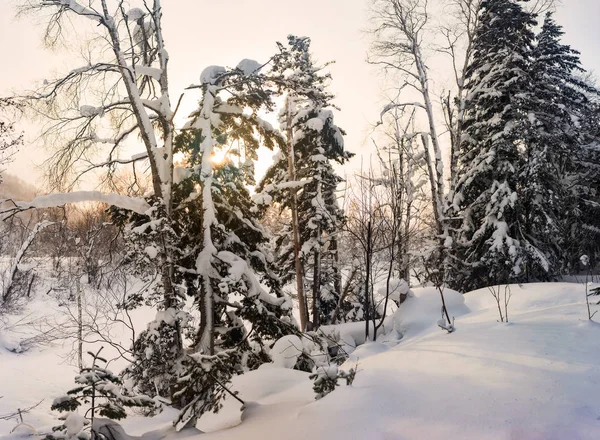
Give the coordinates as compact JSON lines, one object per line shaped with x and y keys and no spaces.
{"x":199,"y":33}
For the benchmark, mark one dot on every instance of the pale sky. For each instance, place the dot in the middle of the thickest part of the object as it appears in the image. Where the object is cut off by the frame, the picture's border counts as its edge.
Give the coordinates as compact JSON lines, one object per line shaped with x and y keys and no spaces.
{"x":200,"y":33}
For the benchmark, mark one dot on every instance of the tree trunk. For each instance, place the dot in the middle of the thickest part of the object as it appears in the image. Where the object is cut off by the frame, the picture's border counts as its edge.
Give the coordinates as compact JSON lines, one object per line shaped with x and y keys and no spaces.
{"x":367,"y":280}
{"x":295,"y":226}
{"x":316,"y":289}
{"x":79,"y":326}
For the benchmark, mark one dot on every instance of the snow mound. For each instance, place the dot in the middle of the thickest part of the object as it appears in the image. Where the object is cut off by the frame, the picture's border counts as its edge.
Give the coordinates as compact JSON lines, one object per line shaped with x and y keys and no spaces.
{"x":286,"y":351}
{"x":248,"y":67}
{"x":211,"y":73}
{"x":21,"y":431}
{"x":423,"y":311}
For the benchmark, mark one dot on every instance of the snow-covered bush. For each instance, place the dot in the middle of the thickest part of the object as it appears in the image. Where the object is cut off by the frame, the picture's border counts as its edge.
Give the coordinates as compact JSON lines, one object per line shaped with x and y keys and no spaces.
{"x":309,"y":351}
{"x":326,"y":379}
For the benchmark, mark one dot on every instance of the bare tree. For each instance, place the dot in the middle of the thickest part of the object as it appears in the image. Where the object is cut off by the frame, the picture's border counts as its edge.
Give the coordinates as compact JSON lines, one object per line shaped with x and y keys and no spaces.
{"x":400,"y":29}
{"x":9,"y":140}
{"x":120,"y":90}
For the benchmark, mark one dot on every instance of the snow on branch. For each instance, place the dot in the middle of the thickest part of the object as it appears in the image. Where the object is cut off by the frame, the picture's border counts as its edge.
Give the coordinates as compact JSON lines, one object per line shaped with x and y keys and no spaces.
{"x":393,"y":105}
{"x":53,"y":200}
{"x":76,"y":7}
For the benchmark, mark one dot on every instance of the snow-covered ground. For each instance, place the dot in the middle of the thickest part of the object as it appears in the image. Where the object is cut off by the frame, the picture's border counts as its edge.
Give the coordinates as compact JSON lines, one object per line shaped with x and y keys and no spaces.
{"x":537,"y":377}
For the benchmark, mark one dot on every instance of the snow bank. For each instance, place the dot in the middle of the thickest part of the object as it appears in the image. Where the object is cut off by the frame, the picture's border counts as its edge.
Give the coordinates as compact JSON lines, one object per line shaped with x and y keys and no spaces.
{"x":424,"y":310}
{"x":286,"y":351}
{"x":536,"y":378}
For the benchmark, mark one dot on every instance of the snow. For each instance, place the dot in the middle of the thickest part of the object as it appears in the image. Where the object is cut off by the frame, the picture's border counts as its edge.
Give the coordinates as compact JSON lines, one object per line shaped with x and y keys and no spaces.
{"x":53,"y":200}
{"x":149,"y":71}
{"x":248,"y":67}
{"x":74,"y":424}
{"x":89,"y":111}
{"x":534,"y":378}
{"x":151,"y":251}
{"x":135,"y":14}
{"x":211,"y":73}
{"x":81,"y":10}
{"x":286,"y":351}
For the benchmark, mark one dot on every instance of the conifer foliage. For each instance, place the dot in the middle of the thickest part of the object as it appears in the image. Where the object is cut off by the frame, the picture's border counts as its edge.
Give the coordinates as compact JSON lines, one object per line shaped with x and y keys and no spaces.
{"x":221,"y":242}
{"x":555,"y":140}
{"x":489,"y":193}
{"x":520,"y":188}
{"x":99,"y":392}
{"x":316,"y":143}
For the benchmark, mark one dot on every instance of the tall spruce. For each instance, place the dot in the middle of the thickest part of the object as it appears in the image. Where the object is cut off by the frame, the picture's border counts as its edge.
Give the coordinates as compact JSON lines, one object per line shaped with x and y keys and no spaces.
{"x":221,"y":261}
{"x":239,"y":317}
{"x":554,"y":140}
{"x":585,"y":226}
{"x":491,"y":247}
{"x":317,"y":143}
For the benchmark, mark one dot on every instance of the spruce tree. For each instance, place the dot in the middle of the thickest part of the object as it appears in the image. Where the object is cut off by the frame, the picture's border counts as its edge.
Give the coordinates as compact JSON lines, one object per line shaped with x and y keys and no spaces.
{"x":584,"y":228}
{"x":224,"y":241}
{"x":491,"y":247}
{"x":554,"y":140}
{"x":220,"y":253}
{"x":98,"y":392}
{"x":317,"y":143}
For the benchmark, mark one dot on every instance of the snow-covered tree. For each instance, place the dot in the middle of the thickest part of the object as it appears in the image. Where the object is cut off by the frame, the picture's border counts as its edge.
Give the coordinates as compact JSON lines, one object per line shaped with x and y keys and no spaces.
{"x":196,"y":234}
{"x":222,"y":260}
{"x":314,"y":144}
{"x":584,"y":229}
{"x":491,"y":245}
{"x":400,"y":28}
{"x":555,"y":138}
{"x":99,"y":392}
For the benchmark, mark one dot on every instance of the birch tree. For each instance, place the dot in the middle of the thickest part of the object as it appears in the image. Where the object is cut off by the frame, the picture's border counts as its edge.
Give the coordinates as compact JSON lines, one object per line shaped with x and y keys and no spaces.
{"x":121,"y":89}
{"x":196,"y":235}
{"x":400,"y":31}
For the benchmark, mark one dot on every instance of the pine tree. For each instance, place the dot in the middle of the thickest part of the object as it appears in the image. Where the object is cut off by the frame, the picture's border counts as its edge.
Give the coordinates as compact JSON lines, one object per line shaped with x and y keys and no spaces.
{"x":316,"y":143}
{"x":223,"y":241}
{"x":491,"y":247}
{"x":103,"y":394}
{"x":585,"y":225}
{"x":553,"y":142}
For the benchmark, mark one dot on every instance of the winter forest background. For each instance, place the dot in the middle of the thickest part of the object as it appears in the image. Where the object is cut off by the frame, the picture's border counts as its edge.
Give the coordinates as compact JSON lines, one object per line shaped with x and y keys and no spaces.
{"x":222,"y":248}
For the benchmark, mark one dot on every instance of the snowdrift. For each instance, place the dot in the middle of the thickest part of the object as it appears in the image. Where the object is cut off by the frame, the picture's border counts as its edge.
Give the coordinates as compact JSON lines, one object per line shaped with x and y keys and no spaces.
{"x":536,"y":377}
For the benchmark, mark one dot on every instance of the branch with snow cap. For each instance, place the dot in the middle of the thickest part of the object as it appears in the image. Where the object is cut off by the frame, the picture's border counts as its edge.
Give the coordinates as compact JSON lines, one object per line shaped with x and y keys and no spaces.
{"x":54,"y":200}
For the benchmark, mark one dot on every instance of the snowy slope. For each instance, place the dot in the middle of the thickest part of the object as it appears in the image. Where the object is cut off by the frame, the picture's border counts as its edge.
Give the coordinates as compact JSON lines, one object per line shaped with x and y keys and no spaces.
{"x":537,"y":377}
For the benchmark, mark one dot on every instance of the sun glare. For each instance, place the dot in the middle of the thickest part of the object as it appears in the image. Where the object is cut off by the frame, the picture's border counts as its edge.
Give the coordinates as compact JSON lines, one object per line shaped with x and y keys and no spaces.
{"x":218,"y":157}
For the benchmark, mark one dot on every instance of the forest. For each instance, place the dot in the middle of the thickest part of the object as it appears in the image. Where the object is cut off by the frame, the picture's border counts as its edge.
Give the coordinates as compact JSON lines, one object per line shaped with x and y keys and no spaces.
{"x":237,"y":268}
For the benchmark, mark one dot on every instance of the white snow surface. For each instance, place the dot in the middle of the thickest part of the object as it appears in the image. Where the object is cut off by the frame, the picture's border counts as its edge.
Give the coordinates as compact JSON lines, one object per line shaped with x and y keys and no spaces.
{"x":537,"y":377}
{"x":210,"y":73}
{"x":248,"y":67}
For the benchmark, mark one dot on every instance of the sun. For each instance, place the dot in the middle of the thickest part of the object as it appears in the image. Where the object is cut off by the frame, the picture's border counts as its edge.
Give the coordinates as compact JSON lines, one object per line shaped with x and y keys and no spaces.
{"x":218,"y":157}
